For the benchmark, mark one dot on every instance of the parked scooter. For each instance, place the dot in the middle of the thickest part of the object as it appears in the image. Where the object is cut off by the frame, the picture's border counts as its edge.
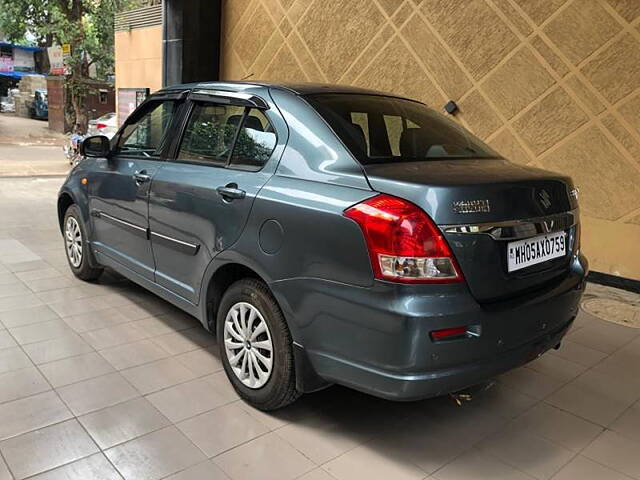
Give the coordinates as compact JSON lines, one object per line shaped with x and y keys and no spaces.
{"x":40,"y":106}
{"x":72,"y":150}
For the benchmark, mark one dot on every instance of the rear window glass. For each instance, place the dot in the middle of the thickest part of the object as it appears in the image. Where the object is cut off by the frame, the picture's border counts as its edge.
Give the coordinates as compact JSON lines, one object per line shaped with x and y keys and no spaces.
{"x":379,"y":129}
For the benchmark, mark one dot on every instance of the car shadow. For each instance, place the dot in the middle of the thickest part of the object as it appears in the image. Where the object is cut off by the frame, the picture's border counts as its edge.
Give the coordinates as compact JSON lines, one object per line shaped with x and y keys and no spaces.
{"x":324,"y":425}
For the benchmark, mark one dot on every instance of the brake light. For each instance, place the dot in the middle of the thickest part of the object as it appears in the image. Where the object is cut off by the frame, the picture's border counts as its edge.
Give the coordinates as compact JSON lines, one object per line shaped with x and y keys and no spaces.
{"x":100,"y":126}
{"x":403,"y":242}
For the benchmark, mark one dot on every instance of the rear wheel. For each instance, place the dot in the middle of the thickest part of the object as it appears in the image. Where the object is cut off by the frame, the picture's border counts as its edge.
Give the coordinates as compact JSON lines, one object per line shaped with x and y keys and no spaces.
{"x":256,"y":346}
{"x":76,"y":246}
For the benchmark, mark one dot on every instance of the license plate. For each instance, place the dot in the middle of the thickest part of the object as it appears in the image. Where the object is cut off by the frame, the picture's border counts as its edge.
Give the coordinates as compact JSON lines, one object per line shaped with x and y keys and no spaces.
{"x":531,"y":251}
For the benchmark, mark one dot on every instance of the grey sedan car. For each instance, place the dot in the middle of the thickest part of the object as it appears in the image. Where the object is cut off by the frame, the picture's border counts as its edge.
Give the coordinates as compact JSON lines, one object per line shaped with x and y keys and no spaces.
{"x":330,"y":235}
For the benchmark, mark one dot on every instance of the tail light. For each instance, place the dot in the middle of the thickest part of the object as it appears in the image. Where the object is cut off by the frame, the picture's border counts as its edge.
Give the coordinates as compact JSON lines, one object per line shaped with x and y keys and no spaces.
{"x":404,"y":244}
{"x":100,"y":126}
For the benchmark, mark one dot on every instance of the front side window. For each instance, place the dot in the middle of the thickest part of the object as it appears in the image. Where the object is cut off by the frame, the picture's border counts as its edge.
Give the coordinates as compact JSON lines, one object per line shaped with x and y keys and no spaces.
{"x":143,"y":137}
{"x":256,"y":140}
{"x":379,"y":129}
{"x":210,"y":132}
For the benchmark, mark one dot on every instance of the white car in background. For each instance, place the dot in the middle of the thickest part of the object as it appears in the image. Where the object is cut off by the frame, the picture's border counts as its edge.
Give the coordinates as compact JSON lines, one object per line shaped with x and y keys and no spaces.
{"x":106,"y":125}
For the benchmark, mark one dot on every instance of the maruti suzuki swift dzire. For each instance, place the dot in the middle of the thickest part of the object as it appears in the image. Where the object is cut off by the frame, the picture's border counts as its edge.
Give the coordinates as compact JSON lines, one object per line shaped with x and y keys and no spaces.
{"x":330,"y":235}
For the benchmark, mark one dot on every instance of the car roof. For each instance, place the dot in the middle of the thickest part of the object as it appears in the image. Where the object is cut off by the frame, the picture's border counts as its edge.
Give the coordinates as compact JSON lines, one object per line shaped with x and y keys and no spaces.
{"x":296,"y":88}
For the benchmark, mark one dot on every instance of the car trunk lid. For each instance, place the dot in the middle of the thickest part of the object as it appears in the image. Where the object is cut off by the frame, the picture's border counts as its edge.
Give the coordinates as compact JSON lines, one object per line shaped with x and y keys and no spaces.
{"x":518,"y":201}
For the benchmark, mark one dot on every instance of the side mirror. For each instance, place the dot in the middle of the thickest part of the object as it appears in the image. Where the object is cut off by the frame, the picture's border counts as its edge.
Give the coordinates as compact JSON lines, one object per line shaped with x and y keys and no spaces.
{"x":95,"y":146}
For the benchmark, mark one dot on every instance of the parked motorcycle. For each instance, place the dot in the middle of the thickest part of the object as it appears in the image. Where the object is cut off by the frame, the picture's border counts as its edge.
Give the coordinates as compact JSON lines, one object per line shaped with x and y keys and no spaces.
{"x":72,"y":149}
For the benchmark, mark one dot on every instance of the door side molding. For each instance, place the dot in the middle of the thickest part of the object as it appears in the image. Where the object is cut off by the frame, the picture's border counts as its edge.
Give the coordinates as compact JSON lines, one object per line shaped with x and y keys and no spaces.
{"x":174,"y":243}
{"x":133,"y":228}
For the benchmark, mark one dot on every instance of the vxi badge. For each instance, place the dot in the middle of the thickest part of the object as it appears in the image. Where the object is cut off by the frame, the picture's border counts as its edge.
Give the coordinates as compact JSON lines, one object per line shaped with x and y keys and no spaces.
{"x":471,"y":206}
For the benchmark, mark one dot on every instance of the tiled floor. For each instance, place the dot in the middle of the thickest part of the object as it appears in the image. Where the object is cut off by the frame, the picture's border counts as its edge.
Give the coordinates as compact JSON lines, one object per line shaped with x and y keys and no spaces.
{"x":105,"y":381}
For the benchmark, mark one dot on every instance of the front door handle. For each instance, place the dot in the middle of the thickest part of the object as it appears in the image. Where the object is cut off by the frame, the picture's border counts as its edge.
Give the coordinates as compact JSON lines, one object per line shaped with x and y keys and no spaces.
{"x":141,"y":177}
{"x":231,"y":192}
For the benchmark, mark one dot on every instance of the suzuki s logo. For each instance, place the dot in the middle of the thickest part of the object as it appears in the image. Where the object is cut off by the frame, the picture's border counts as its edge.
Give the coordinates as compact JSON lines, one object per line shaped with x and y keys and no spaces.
{"x":545,"y":199}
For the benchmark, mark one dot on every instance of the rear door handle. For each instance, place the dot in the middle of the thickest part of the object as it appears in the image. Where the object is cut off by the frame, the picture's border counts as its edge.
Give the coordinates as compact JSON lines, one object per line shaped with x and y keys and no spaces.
{"x":141,"y":177}
{"x":231,"y":192}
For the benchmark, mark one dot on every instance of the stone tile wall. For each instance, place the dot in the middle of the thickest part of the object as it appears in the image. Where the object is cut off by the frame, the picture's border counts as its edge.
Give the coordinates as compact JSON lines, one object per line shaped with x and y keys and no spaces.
{"x":550,"y":83}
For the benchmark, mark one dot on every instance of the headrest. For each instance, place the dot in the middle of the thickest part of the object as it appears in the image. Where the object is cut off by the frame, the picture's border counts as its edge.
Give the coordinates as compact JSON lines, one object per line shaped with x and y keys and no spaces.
{"x":359,"y":140}
{"x":414,"y":143}
{"x":251,"y":122}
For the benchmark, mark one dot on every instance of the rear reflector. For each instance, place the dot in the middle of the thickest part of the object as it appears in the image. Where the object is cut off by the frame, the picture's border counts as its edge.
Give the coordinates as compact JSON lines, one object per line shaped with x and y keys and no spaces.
{"x":448,"y":333}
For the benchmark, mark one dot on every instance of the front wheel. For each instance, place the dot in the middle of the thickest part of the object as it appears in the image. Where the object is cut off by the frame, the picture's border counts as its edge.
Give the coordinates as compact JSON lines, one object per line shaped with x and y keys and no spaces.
{"x":77,"y":247}
{"x":256,"y":346}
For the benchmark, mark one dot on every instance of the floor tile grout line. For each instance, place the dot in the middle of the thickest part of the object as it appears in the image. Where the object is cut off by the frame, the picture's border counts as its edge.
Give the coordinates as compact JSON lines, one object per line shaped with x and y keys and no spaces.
{"x":633,"y":405}
{"x":599,"y":462}
{"x":485,"y":437}
{"x":309,"y":458}
{"x":143,"y":395}
{"x":604,"y":429}
{"x":95,"y":441}
{"x":74,"y":417}
{"x":275,"y":430}
{"x":591,"y":369}
{"x":543,"y":400}
{"x":21,"y":369}
{"x":617,"y":349}
{"x":94,"y":350}
{"x":140,"y":395}
{"x":253,"y":439}
{"x":64,"y":465}
{"x":3,"y":458}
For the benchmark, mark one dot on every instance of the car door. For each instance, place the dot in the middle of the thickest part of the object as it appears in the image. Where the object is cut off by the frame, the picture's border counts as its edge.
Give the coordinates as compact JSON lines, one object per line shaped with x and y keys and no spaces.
{"x":119,"y":188}
{"x":200,"y":200}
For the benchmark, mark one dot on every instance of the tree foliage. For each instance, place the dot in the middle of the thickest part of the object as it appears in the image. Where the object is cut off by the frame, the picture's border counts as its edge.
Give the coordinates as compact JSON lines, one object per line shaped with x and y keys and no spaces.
{"x":87,"y":25}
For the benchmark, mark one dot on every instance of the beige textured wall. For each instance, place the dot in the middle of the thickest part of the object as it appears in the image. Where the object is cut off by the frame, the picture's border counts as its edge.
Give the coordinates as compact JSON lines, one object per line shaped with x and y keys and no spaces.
{"x":139,"y":58}
{"x":550,"y":83}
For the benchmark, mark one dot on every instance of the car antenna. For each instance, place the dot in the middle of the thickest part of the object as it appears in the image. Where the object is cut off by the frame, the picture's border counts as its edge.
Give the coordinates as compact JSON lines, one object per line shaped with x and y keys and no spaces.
{"x":247,"y":77}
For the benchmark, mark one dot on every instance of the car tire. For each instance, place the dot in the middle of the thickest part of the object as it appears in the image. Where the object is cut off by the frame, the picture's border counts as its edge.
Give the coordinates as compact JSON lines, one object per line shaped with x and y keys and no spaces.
{"x":250,"y":302}
{"x":76,"y":246}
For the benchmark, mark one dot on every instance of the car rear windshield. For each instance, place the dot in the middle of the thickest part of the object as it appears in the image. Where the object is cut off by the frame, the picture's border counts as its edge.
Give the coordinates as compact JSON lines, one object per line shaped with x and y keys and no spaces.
{"x":380,"y":129}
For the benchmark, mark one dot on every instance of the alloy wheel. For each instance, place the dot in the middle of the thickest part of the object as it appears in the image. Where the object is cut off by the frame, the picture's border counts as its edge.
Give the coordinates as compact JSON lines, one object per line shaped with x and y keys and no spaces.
{"x":248,"y":345}
{"x":73,"y":239}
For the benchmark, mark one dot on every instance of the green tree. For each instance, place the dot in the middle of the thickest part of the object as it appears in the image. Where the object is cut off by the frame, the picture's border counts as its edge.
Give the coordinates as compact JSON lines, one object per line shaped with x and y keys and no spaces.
{"x":87,"y":25}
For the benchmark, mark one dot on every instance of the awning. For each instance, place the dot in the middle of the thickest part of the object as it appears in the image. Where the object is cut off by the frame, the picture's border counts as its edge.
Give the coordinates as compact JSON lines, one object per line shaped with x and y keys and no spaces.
{"x":18,"y":74}
{"x":21,"y":47}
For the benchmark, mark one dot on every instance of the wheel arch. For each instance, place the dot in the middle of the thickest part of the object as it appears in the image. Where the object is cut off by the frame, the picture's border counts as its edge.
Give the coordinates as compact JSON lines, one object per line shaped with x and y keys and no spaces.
{"x":65,"y":200}
{"x":220,"y":280}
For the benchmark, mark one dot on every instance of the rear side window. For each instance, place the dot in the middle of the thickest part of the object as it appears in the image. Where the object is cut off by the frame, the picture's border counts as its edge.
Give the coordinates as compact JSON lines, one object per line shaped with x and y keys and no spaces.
{"x":256,"y":140}
{"x":222,"y":135}
{"x":210,"y":133}
{"x":143,"y":137}
{"x":379,"y":129}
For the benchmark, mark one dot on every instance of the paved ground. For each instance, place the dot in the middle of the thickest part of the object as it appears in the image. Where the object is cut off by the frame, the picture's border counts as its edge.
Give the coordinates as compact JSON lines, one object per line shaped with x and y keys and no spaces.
{"x":28,"y":147}
{"x":99,"y":381}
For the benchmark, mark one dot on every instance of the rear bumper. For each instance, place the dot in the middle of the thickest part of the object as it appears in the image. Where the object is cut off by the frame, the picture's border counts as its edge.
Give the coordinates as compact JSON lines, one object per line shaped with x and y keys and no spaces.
{"x":392,"y":386}
{"x":377,"y":339}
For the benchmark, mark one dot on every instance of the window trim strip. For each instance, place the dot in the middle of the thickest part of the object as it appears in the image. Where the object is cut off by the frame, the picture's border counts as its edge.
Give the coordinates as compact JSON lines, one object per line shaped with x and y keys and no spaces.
{"x":234,"y":98}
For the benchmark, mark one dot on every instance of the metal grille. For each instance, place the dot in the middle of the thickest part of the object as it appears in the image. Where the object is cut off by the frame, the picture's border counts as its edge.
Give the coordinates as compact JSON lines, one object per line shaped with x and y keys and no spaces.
{"x":149,"y":16}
